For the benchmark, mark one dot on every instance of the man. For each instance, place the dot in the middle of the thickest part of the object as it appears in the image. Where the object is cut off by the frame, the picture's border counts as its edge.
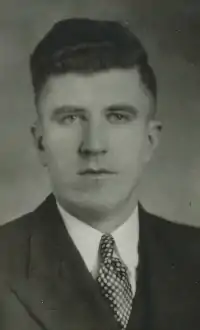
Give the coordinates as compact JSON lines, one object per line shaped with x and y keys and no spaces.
{"x":90,"y":257}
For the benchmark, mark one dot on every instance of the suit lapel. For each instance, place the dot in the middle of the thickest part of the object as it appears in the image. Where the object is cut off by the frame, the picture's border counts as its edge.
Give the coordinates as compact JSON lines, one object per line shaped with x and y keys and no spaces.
{"x":139,"y":315}
{"x":59,"y":292}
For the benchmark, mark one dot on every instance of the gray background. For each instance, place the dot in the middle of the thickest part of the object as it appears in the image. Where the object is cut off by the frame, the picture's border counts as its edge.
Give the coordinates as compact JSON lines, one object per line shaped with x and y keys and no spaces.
{"x":170,"y":31}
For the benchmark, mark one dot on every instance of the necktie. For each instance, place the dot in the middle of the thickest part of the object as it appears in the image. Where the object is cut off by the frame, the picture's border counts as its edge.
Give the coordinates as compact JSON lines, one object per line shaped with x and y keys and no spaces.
{"x":114,"y":283}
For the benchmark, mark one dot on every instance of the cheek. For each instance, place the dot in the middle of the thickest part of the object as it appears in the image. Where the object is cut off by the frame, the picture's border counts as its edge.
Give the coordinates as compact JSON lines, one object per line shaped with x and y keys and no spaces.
{"x":129,"y":147}
{"x":61,"y":145}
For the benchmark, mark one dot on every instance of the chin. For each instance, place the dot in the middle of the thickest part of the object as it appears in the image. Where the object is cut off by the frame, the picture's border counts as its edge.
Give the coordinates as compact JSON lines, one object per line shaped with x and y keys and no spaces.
{"x":94,"y":202}
{"x":88,"y":202}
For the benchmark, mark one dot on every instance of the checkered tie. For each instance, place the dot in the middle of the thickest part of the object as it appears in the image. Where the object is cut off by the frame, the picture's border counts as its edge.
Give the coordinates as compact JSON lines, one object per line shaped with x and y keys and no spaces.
{"x":114,"y":282}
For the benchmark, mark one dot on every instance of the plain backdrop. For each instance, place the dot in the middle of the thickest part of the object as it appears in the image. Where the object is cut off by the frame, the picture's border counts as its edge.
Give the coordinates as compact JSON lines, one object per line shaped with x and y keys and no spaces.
{"x":170,"y":31}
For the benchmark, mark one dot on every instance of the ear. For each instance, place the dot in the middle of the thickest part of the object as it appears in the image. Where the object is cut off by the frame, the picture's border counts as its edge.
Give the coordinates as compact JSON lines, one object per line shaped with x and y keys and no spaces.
{"x":154,"y":130}
{"x":37,"y":133}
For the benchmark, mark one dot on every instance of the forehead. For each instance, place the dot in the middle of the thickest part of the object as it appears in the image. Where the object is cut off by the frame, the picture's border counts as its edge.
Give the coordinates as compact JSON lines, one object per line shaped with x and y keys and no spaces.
{"x":102,"y":89}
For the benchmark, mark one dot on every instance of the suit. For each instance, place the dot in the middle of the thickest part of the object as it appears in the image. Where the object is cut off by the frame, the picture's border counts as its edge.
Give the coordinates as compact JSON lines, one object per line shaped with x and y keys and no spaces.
{"x":45,"y":285}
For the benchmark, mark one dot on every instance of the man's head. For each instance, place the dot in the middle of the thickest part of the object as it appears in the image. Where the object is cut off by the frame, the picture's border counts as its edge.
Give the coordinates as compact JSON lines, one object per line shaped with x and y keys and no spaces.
{"x":95,"y":95}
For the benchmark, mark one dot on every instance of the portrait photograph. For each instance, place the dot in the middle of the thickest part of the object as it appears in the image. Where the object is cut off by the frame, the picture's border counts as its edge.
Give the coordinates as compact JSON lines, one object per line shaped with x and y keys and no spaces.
{"x":100,"y":165}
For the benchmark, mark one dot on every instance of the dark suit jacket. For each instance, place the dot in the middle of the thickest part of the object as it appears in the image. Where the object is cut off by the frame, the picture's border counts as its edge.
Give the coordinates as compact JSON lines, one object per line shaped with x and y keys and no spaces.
{"x":45,"y":284}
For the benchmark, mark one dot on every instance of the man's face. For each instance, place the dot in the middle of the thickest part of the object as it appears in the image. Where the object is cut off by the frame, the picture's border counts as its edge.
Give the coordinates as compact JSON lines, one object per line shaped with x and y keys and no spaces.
{"x":96,"y":136}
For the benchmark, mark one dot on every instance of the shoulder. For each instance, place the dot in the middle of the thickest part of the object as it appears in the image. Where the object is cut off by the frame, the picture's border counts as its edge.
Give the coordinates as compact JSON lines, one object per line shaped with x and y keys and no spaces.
{"x":17,"y":228}
{"x":175,"y":231}
{"x":169,"y":227}
{"x":15,"y":242}
{"x":14,"y":247}
{"x":180,"y":240}
{"x":18,"y":231}
{"x":26,"y":224}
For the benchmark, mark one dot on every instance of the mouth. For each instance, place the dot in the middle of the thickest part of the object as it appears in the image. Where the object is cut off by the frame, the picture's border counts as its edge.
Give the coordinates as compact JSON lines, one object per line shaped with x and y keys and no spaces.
{"x":96,"y":172}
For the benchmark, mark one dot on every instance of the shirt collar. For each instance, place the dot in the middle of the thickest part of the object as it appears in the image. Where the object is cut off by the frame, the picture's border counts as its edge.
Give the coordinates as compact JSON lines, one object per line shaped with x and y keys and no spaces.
{"x":87,"y":239}
{"x":126,"y":239}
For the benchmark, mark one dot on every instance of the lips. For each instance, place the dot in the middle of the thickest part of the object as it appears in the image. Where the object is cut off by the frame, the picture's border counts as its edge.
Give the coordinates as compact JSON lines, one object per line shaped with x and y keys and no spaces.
{"x":96,"y":172}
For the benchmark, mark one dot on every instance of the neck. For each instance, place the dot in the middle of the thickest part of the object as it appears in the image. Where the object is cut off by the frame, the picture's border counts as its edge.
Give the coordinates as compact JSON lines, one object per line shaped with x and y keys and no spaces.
{"x":104,"y":221}
{"x":114,"y":220}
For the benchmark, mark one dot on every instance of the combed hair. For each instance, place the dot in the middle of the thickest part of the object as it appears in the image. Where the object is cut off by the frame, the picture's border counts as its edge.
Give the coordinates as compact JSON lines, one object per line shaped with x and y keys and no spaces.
{"x":88,"y":46}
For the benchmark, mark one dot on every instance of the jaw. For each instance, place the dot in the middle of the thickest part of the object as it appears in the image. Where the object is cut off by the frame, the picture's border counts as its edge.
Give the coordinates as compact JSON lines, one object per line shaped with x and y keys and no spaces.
{"x":104,"y":212}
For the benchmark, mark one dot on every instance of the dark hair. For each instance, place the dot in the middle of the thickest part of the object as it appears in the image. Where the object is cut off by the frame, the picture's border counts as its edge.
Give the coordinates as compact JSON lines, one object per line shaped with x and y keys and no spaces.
{"x":86,"y":46}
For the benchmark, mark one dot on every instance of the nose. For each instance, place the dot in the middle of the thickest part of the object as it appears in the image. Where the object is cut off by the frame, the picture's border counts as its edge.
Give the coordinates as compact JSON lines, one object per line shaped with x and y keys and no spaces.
{"x":93,"y":140}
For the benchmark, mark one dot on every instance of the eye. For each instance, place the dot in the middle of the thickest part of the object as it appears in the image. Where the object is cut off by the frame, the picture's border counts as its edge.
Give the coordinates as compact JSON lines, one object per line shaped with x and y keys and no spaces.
{"x":68,"y":119}
{"x":118,"y":118}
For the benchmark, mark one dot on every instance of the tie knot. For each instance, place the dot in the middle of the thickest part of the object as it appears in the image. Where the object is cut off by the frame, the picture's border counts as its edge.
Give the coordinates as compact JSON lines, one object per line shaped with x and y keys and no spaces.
{"x":106,"y":246}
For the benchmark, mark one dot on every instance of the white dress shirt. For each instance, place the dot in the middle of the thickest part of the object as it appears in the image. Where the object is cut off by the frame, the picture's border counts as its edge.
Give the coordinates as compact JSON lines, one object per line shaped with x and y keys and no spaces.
{"x":87,"y":240}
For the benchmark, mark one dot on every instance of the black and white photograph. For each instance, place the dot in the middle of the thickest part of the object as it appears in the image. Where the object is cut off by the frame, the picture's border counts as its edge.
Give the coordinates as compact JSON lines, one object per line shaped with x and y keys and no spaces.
{"x":100,"y":165}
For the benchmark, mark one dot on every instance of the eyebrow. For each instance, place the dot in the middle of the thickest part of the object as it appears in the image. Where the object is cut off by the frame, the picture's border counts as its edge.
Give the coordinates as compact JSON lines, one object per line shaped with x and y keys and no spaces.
{"x":66,"y":109}
{"x":123,"y":107}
